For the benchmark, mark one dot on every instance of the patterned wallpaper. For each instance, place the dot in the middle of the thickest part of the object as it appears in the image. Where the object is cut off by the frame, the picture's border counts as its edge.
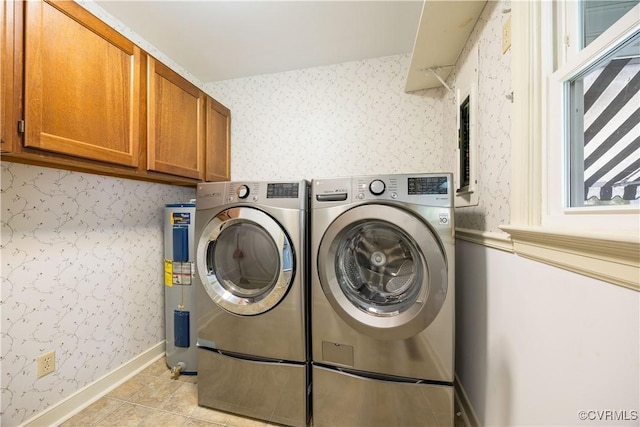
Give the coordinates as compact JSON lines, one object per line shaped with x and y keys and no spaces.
{"x":81,"y":253}
{"x":494,"y":122}
{"x":355,"y":118}
{"x":346,"y":119}
{"x":81,"y":274}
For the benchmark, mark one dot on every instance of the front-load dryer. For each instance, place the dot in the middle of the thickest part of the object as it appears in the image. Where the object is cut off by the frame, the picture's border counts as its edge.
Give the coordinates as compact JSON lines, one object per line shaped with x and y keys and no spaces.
{"x":252,"y":299}
{"x":382,"y":300}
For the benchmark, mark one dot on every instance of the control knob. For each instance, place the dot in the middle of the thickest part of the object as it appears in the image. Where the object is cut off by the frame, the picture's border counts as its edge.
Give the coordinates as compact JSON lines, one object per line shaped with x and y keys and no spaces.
{"x":377,"y":187}
{"x":242,"y":192}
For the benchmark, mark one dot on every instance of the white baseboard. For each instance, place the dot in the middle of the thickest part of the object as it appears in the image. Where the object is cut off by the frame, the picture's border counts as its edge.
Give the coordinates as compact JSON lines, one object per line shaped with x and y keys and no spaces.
{"x":468,"y":415}
{"x":58,"y":413}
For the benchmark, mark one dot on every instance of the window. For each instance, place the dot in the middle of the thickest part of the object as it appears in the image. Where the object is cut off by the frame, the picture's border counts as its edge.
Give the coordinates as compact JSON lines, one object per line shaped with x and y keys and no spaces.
{"x":576,"y":137}
{"x":603,"y":118}
{"x":604,"y":130}
{"x":592,"y":145}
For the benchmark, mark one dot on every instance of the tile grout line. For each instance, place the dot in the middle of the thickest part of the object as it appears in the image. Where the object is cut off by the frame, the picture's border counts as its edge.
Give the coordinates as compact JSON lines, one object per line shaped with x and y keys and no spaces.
{"x":105,"y":416}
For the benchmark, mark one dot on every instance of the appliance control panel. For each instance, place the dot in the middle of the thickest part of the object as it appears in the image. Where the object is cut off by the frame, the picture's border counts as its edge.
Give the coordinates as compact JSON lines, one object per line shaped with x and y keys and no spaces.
{"x":290,"y":195}
{"x":422,"y":189}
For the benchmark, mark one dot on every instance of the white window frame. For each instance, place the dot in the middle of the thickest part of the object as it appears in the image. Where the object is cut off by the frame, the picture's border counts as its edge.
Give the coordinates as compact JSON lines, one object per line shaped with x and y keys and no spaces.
{"x":615,"y":220}
{"x":599,"y":242}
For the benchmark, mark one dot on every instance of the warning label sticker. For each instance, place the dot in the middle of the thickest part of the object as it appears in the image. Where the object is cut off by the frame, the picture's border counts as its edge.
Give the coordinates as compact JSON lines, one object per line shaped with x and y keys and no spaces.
{"x":181,"y":218}
{"x":168,"y":273}
{"x":182,"y":272}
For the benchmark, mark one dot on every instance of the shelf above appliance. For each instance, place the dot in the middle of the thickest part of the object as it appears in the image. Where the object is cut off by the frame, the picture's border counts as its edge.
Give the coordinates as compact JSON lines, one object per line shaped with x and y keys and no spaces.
{"x":444,"y":29}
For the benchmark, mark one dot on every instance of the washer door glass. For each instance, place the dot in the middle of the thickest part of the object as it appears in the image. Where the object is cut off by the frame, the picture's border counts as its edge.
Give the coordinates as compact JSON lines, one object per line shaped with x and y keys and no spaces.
{"x":245,"y":261}
{"x":379,"y":268}
{"x":383,"y":270}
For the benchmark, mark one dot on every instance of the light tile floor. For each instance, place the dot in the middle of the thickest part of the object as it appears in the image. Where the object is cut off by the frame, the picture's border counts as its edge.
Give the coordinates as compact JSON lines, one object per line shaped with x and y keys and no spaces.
{"x":152,"y":398}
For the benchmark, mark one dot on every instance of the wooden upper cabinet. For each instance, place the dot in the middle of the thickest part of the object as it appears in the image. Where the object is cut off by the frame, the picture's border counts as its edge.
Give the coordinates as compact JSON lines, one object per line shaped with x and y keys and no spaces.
{"x":218,"y":140}
{"x":8,"y":117}
{"x":175,"y":123}
{"x":82,"y":85}
{"x":78,"y":95}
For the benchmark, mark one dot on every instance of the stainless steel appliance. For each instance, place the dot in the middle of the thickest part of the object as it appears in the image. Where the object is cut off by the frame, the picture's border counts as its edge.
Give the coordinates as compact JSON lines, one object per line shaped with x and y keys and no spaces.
{"x":382,"y":300}
{"x":179,"y":292}
{"x":252,"y":301}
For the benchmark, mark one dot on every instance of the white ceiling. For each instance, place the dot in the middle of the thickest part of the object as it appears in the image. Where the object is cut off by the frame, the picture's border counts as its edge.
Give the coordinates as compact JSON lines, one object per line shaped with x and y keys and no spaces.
{"x":220,"y":40}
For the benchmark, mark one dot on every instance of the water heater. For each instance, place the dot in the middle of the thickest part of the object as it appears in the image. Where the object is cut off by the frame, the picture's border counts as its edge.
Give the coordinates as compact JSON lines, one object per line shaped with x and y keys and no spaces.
{"x":179,"y":288}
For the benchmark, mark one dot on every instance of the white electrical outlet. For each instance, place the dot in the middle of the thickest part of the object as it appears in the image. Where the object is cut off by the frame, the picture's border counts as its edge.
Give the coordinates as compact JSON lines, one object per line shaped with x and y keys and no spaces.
{"x":46,"y":363}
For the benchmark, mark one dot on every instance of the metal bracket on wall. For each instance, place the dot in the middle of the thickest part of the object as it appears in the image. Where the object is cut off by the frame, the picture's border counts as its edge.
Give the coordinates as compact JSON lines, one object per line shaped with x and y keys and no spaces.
{"x":434,"y":70}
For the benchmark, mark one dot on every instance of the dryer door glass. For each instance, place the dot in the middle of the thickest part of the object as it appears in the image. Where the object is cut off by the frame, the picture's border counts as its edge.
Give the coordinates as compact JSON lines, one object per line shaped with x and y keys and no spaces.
{"x":379,"y":268}
{"x":245,"y":261}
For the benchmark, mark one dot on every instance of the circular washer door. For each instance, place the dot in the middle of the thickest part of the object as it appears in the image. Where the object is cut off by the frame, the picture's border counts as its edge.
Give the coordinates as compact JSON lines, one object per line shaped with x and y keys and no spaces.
{"x":245,"y":261}
{"x":383,"y":271}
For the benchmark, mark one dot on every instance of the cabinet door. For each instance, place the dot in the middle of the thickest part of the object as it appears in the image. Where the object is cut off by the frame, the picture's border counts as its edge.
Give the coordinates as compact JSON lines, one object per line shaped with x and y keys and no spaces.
{"x":8,"y":97}
{"x":175,"y":123}
{"x":218,"y":142}
{"x":82,"y":85}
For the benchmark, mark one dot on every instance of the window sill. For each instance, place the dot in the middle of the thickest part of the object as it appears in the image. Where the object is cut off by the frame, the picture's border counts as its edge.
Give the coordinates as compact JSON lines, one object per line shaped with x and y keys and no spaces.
{"x":614,"y":259}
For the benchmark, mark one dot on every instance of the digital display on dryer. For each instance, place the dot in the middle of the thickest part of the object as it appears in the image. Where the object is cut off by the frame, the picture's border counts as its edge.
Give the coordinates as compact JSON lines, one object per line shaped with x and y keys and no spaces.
{"x":285,"y":190}
{"x":427,"y":185}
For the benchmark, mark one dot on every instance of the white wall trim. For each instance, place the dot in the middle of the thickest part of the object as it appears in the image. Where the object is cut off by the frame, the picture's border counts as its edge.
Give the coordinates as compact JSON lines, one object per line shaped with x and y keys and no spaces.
{"x":610,"y":258}
{"x":527,"y":120}
{"x":501,"y":241}
{"x":468,"y":415}
{"x":58,"y":413}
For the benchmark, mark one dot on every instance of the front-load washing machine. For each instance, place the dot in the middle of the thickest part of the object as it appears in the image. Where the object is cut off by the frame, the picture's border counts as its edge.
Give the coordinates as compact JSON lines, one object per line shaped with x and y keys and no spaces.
{"x":382,"y":300}
{"x":253,"y":356}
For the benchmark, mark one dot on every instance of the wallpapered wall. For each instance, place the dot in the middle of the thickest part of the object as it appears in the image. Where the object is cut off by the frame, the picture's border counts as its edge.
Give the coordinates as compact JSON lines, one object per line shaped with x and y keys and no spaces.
{"x":339,"y":120}
{"x":494,"y":121}
{"x":81,"y":274}
{"x":81,"y":254}
{"x":355,"y":118}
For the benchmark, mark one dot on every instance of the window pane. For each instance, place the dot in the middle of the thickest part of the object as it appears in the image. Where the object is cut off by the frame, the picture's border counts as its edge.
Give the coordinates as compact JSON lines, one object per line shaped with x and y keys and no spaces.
{"x":598,"y":15}
{"x":604,"y":131}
